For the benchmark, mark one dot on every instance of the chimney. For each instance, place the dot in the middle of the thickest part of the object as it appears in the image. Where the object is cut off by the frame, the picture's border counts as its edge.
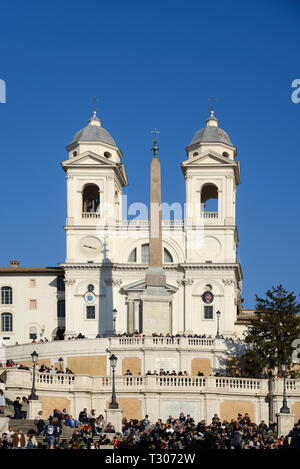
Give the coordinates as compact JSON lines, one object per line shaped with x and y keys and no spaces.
{"x":14,"y":264}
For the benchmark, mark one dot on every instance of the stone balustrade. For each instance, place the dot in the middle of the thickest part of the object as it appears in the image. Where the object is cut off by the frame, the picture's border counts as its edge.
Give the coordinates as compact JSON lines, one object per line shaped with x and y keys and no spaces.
{"x":170,"y":342}
{"x":22,"y":379}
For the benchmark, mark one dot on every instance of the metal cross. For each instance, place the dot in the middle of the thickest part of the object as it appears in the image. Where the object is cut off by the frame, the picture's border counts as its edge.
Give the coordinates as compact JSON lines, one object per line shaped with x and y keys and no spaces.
{"x":155,"y":148}
{"x":212,"y":100}
{"x":95,"y":100}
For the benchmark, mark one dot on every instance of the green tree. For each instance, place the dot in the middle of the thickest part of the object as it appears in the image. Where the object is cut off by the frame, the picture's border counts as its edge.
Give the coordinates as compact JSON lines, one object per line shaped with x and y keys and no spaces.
{"x":272,"y":331}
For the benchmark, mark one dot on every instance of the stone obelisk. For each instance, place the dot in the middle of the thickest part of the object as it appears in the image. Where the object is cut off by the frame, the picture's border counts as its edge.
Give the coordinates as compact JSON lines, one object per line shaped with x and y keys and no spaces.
{"x":156,"y":298}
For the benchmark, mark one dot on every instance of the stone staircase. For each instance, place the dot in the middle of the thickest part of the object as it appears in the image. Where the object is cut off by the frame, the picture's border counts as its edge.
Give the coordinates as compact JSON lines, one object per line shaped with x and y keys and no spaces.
{"x":67,"y":432}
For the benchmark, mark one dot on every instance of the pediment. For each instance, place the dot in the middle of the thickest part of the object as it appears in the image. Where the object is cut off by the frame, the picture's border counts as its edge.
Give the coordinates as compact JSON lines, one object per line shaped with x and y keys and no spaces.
{"x":140,"y":286}
{"x":88,"y":158}
{"x":208,"y":158}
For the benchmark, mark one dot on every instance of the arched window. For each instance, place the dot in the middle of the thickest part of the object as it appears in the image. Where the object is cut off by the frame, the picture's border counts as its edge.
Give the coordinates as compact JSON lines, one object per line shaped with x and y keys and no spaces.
{"x":209,"y":198}
{"x":145,"y":254}
{"x":90,"y":199}
{"x":6,"y":295}
{"x":60,"y":283}
{"x":74,"y":154}
{"x":32,"y":333}
{"x":6,"y":322}
{"x":132,"y":256}
{"x":167,"y":256}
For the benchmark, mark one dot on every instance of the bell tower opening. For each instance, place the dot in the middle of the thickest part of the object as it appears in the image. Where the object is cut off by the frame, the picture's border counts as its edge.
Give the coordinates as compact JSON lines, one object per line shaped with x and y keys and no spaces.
{"x":209,"y":200}
{"x":91,"y":199}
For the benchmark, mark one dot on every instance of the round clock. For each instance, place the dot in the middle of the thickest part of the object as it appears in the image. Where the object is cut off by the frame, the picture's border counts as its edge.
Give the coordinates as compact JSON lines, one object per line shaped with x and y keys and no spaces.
{"x":207,"y":297}
{"x":90,"y":246}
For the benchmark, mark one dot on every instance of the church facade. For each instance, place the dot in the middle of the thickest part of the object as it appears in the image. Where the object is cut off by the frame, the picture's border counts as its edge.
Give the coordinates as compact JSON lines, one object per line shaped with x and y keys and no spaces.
{"x":98,"y":289}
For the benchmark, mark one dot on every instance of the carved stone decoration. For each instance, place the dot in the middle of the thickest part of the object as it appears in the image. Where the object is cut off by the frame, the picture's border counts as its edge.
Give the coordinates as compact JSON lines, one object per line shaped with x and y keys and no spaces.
{"x":228,"y":281}
{"x":185,"y":282}
{"x":69,"y":281}
{"x":115,"y":281}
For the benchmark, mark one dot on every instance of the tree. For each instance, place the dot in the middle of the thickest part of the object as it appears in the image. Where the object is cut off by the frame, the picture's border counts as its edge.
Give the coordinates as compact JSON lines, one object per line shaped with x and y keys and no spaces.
{"x":271,"y":333}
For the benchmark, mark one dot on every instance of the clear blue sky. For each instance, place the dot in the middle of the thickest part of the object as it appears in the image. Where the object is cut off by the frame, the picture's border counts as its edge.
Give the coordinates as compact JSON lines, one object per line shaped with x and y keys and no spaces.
{"x":152,"y":64}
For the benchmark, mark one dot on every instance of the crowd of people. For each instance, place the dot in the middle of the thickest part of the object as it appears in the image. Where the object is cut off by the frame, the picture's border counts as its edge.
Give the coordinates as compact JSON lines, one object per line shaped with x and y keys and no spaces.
{"x":174,"y":433}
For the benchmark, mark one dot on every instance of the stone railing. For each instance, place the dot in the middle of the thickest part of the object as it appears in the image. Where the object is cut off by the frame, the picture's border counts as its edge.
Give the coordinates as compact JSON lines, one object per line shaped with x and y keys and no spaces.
{"x":91,"y":215}
{"x":209,"y":215}
{"x":165,"y":342}
{"x":21,"y":380}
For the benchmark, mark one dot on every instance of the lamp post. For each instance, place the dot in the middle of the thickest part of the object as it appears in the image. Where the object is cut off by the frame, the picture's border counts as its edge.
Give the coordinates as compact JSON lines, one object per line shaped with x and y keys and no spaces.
{"x":115,"y":319}
{"x":284,"y":409}
{"x":33,"y":396}
{"x":218,"y":313}
{"x":113,"y":363}
{"x":60,"y":361}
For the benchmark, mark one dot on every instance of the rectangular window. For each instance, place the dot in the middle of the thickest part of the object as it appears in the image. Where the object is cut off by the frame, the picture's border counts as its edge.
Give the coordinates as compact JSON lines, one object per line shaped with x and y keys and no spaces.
{"x":31,"y":283}
{"x":6,"y":322}
{"x":90,"y":312}
{"x":208,"y":312}
{"x":32,"y":304}
{"x":6,"y":295}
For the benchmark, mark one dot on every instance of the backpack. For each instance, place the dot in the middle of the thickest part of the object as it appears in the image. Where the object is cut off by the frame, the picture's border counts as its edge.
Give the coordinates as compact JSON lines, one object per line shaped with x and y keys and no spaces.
{"x":50,"y":430}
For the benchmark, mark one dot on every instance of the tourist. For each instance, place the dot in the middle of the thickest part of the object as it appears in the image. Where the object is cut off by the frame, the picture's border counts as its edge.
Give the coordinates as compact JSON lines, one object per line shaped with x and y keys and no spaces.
{"x":19,"y":440}
{"x":50,"y":434}
{"x":17,"y":408}
{"x":25,"y":407}
{"x":39,"y":422}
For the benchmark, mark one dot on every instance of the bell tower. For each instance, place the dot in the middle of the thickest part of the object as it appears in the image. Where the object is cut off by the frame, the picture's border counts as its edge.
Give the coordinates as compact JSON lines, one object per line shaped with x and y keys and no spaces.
{"x":95,"y":179}
{"x":212,"y":175}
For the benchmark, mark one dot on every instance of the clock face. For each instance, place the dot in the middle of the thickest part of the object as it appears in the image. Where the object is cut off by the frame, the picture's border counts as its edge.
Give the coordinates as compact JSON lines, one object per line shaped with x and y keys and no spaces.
{"x":90,"y":246}
{"x":207,"y":297}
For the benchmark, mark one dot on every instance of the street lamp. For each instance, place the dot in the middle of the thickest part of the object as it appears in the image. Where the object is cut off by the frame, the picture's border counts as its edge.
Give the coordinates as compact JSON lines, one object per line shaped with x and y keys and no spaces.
{"x":60,"y":361}
{"x":218,"y":313}
{"x":34,"y":358}
{"x":114,"y":319}
{"x":113,"y":363}
{"x":284,"y":409}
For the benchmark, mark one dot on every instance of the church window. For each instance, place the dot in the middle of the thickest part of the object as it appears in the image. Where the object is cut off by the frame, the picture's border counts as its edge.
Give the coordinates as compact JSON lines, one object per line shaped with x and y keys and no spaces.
{"x":145,"y":253}
{"x":61,"y":309}
{"x":6,"y":295}
{"x":132,"y":256}
{"x":90,"y":199}
{"x":32,"y":304}
{"x":107,"y":154}
{"x":74,"y":153}
{"x":6,"y":322}
{"x":208,"y":312}
{"x":167,"y":256}
{"x":32,"y":333}
{"x":90,"y":312}
{"x":226,"y":154}
{"x":195,"y":153}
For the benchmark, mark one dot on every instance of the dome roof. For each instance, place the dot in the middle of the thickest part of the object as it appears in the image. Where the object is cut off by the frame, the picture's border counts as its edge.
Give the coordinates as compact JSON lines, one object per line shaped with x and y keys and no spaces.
{"x":94,"y":132}
{"x":211,"y":133}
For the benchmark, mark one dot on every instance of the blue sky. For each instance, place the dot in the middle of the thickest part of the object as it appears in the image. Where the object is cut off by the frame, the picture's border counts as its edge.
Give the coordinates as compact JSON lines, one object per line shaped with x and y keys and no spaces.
{"x":152,"y":64}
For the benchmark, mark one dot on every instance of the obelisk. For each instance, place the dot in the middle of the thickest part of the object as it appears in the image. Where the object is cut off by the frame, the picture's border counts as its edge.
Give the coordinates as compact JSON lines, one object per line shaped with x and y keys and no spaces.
{"x":156,"y":298}
{"x":155,"y":276}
